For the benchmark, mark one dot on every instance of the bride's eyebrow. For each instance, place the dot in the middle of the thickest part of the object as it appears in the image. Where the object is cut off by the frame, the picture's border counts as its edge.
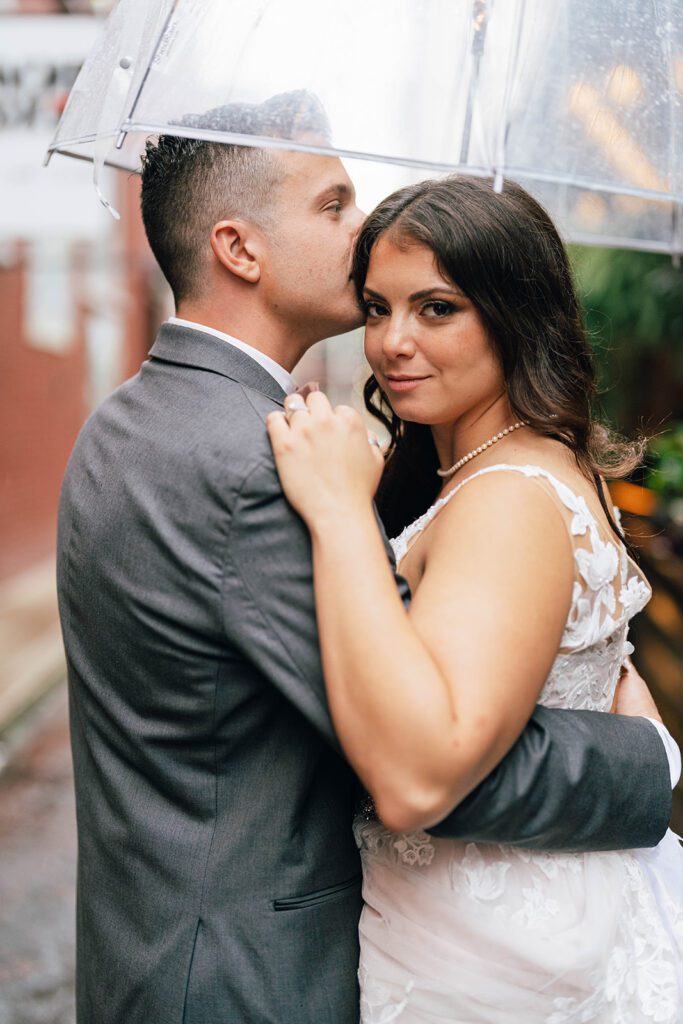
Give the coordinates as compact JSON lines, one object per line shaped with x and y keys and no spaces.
{"x":439,"y":290}
{"x":375,"y":295}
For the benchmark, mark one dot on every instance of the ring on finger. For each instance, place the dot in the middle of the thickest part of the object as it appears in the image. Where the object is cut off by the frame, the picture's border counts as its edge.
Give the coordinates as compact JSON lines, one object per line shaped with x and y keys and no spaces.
{"x":296,"y":404}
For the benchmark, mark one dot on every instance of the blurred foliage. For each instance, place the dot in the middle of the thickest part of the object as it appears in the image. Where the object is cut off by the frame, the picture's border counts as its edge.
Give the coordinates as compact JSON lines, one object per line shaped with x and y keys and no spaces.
{"x":633,"y":303}
{"x":665,"y":476}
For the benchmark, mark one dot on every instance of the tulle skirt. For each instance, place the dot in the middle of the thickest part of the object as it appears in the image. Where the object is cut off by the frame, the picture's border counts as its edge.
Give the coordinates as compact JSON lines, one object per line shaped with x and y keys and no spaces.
{"x":465,"y":932}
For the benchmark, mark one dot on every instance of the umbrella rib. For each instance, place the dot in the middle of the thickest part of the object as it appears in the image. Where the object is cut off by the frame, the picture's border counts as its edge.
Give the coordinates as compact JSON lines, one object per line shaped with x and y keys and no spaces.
{"x":264,"y":142}
{"x":504,"y":126}
{"x":64,"y":146}
{"x":167,"y":21}
{"x":618,"y":242}
{"x":480,"y":17}
{"x":676,"y":226}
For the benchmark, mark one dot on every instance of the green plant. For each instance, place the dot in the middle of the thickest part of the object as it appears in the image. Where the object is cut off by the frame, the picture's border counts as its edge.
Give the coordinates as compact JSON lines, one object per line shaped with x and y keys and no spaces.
{"x":665,"y":475}
{"x":633,"y":303}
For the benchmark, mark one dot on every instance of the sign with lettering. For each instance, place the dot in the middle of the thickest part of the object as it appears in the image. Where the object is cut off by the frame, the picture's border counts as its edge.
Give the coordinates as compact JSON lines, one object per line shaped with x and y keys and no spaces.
{"x":32,"y":94}
{"x":40,"y":56}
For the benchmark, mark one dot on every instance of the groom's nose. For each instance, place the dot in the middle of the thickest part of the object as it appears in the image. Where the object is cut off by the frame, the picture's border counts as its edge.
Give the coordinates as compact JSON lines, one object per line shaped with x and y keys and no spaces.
{"x":357,"y":221}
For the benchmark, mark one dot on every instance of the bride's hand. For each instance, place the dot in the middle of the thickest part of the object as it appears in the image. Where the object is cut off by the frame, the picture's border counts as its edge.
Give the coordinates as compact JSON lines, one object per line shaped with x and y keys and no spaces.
{"x":324,"y":458}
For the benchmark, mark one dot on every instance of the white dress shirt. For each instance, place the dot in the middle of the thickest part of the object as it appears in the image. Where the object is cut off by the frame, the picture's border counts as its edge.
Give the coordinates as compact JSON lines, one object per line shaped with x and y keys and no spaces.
{"x":277,"y":372}
{"x":672,"y":752}
{"x":288,"y":385}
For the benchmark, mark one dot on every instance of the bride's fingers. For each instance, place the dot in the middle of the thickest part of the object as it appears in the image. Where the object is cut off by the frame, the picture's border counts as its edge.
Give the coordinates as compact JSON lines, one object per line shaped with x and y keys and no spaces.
{"x":318,"y":403}
{"x":295,"y":405}
{"x":300,"y":412}
{"x":306,"y":389}
{"x":278,"y":430}
{"x":376,"y":446}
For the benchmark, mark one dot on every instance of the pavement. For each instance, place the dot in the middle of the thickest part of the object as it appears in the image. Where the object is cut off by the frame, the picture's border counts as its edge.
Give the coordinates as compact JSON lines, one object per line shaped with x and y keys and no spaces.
{"x":31,"y":653}
{"x":38,"y":868}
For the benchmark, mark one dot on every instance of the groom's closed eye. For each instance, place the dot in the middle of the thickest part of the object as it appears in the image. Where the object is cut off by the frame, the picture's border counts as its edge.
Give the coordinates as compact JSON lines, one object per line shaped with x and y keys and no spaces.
{"x":334,"y":198}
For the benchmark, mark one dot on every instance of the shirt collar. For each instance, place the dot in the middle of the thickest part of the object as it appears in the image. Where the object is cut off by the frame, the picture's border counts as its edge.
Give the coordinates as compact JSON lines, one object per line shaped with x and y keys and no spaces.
{"x":277,"y":372}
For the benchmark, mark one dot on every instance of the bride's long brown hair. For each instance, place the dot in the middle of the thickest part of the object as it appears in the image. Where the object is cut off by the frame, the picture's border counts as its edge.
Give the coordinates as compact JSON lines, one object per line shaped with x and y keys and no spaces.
{"x":503,"y":251}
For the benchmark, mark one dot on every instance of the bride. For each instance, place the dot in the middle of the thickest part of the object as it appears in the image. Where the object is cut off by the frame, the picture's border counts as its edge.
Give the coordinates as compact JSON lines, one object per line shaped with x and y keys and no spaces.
{"x":523,"y":591}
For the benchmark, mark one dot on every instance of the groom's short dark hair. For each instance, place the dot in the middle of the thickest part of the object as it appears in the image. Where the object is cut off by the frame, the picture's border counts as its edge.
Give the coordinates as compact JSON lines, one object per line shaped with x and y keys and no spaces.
{"x":190,"y":184}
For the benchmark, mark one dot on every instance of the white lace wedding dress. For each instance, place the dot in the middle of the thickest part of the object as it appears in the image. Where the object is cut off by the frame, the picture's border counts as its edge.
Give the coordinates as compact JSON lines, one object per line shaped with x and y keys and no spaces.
{"x":465,"y":932}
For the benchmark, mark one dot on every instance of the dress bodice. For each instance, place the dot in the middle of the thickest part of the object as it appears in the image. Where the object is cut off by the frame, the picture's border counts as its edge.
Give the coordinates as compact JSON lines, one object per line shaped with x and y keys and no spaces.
{"x":498,"y":934}
{"x":609,"y":589}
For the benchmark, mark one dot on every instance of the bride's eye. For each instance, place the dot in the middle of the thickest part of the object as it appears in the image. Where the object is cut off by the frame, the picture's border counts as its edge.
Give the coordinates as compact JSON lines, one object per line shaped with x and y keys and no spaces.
{"x":373,"y":310}
{"x":437,"y":309}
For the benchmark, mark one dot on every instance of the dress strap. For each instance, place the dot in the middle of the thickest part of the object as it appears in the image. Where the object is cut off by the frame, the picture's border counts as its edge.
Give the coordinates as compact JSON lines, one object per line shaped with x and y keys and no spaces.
{"x":582,"y":517}
{"x":574,"y":502}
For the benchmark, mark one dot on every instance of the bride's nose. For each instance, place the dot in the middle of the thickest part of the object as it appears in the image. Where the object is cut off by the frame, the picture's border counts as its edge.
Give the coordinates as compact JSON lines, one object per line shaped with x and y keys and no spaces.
{"x":396,"y":338}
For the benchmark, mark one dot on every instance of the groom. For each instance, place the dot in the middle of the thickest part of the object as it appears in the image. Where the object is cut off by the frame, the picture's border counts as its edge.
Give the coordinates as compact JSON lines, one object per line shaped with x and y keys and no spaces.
{"x":218,"y":879}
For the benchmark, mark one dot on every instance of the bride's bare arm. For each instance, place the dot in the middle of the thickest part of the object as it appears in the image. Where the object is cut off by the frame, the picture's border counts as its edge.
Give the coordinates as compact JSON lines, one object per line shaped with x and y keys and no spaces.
{"x":425,"y":705}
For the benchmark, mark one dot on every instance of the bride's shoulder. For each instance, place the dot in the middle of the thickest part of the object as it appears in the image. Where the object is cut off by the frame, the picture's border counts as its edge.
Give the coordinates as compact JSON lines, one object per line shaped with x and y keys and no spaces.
{"x":535,"y":491}
{"x":505,"y":523}
{"x":512,"y":498}
{"x":542,"y":460}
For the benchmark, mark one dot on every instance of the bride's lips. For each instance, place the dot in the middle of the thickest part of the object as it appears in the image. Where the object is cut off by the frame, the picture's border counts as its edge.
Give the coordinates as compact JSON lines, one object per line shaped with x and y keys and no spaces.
{"x":402,"y":382}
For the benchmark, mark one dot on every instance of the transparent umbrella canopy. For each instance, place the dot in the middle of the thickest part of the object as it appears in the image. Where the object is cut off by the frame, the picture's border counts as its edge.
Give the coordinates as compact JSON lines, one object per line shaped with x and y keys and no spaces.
{"x":581,"y":102}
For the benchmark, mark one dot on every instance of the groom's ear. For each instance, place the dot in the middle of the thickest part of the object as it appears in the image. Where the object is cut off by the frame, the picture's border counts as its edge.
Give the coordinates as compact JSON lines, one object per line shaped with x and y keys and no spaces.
{"x":236,"y":245}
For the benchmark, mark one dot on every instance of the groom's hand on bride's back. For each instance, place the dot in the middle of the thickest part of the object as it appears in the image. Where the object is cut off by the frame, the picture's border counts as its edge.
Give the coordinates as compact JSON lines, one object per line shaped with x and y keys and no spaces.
{"x":632,"y":696}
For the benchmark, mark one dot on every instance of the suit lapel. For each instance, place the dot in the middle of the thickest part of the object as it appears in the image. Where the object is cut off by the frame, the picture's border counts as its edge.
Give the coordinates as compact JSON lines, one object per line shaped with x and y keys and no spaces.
{"x":186,"y":347}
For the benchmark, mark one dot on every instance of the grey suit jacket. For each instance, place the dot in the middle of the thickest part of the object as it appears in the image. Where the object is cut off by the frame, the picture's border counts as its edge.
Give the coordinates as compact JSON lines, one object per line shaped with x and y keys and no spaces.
{"x":218,"y":879}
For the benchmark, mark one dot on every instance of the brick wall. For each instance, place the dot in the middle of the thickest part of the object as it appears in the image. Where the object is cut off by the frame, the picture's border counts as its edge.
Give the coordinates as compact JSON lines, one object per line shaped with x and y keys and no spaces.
{"x":44,"y":404}
{"x":149,"y":297}
{"x":46,"y":396}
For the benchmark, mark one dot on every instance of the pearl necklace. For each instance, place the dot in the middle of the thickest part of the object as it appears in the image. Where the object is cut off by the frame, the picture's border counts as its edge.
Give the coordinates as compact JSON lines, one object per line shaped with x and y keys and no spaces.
{"x":482,"y":448}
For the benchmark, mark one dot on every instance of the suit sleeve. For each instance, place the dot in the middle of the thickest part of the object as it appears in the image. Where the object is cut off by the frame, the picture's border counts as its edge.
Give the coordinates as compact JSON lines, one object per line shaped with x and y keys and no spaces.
{"x":268,"y":597}
{"x":575,"y":780}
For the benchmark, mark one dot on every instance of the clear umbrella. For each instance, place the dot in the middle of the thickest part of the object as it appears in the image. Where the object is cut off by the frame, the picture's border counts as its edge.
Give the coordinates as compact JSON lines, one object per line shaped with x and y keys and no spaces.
{"x":582,"y":102}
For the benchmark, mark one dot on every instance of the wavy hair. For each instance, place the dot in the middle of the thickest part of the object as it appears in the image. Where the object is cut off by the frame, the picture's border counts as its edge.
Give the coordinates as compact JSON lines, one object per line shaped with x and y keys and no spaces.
{"x":503,"y":251}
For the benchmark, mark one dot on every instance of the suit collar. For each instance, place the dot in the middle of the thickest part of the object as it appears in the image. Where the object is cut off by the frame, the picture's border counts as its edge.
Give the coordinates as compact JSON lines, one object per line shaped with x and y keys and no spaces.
{"x":185,"y":346}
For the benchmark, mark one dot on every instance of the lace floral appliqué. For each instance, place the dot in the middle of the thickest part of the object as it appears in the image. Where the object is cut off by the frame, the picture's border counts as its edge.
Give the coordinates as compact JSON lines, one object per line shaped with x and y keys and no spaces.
{"x":580,"y":937}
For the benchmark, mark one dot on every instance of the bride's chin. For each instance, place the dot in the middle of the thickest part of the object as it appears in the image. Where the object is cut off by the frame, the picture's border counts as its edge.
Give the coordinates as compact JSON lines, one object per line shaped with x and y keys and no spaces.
{"x":412,"y":415}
